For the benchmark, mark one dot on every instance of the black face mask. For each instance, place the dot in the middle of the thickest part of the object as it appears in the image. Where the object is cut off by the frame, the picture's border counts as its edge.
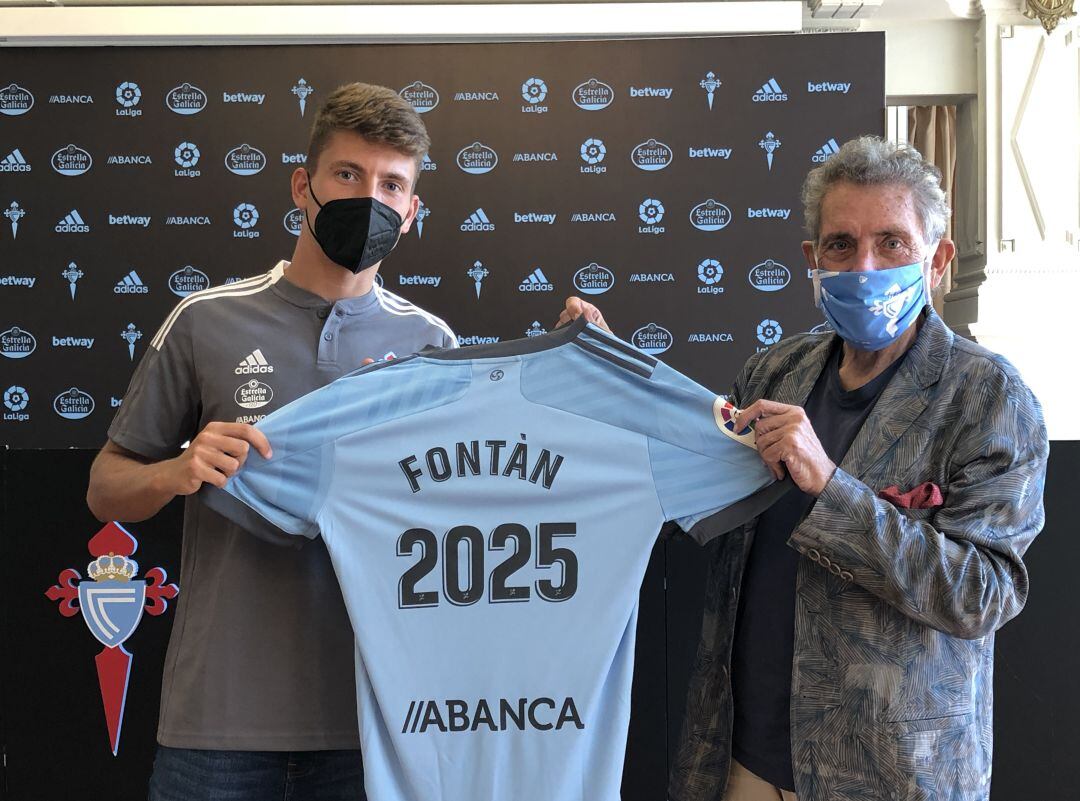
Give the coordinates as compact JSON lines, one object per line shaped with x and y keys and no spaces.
{"x":355,"y":232}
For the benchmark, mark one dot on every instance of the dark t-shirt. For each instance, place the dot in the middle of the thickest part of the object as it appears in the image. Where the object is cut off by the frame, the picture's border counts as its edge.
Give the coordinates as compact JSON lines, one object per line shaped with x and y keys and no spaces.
{"x":765,"y":626}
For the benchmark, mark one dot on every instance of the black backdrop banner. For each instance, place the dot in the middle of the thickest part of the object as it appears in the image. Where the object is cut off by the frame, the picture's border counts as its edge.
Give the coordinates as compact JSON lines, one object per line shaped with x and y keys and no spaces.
{"x":658,"y":178}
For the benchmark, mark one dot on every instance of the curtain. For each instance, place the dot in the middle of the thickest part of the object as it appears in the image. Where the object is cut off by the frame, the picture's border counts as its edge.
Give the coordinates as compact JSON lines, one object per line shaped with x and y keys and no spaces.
{"x":932,"y":131}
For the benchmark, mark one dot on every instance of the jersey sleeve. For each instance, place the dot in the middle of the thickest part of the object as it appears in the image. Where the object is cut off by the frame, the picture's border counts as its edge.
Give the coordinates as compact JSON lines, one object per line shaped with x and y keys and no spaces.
{"x":279,"y":499}
{"x":701,"y":465}
{"x":161,"y":407}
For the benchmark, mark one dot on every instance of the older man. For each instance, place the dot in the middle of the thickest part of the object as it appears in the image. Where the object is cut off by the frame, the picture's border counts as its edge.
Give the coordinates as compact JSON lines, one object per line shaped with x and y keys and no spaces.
{"x":848,"y":637}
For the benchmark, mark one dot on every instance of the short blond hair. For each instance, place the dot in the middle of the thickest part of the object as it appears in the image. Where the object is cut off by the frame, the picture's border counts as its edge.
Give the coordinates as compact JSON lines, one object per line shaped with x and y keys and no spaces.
{"x":377,"y":114}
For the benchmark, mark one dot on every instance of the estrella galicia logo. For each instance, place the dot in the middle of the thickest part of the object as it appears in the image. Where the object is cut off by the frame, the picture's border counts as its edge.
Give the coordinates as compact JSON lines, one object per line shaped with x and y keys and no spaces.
{"x":302,"y":89}
{"x":712,"y":215}
{"x":652,"y":339}
{"x":293,"y":221}
{"x":533,"y":92}
{"x":73,"y":404}
{"x":770,"y":92}
{"x":15,"y":343}
{"x":592,"y":279}
{"x":477,"y":159}
{"x":593,"y":152}
{"x":592,"y":95}
{"x":128,"y":95}
{"x":420,"y":96}
{"x":185,"y":99}
{"x":187,"y":280}
{"x":769,"y":332}
{"x":15,"y":100}
{"x":709,"y":273}
{"x":72,"y":160}
{"x":651,"y":156}
{"x":769,"y":276}
{"x":253,"y":394}
{"x":245,"y":160}
{"x":245,"y":217}
{"x":651,"y":213}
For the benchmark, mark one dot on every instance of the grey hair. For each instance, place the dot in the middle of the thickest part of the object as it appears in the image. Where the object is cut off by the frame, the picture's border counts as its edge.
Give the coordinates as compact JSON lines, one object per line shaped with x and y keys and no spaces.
{"x":873,"y":161}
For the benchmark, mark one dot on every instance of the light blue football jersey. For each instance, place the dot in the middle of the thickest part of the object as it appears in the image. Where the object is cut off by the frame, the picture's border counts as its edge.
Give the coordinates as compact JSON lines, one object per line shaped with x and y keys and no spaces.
{"x":490,"y":513}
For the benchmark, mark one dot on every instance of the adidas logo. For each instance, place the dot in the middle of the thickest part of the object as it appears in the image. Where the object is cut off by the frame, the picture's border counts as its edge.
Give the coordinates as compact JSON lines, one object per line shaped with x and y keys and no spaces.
{"x":478,"y":221}
{"x":770,"y":92}
{"x":73,"y":223}
{"x":536,"y":281}
{"x":131,"y":284}
{"x":254,"y":362}
{"x":824,"y":152}
{"x":14,"y":162}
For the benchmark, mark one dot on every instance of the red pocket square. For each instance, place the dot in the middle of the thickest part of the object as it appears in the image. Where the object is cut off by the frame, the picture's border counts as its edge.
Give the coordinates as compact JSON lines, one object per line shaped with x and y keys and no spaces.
{"x":924,"y":496}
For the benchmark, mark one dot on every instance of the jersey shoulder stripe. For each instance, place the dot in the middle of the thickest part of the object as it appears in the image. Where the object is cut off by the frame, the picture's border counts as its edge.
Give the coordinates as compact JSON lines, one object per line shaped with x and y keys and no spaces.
{"x":248,"y":286}
{"x":398,"y":306}
{"x":614,"y":343}
{"x":618,"y":361}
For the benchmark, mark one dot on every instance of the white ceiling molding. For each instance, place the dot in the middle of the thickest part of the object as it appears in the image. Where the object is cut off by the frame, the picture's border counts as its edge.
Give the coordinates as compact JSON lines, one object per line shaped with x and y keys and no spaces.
{"x":266,"y":24}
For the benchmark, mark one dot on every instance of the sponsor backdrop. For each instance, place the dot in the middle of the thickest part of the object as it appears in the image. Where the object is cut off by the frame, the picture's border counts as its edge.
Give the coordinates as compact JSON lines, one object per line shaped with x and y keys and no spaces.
{"x":659,"y":179}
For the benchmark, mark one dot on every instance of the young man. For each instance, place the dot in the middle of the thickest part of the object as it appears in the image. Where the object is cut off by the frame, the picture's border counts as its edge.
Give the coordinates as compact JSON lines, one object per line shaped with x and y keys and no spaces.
{"x":258,"y":696}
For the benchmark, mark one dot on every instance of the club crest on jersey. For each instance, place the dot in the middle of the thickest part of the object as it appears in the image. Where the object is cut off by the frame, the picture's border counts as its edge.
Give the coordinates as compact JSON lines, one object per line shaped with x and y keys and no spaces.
{"x":724,"y":413}
{"x":112,"y":602}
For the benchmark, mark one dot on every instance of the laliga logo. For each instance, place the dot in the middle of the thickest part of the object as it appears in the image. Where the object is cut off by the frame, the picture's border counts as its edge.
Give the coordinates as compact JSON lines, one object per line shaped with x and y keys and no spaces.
{"x":769,"y":332}
{"x":652,"y":339}
{"x":593,"y":152}
{"x":112,"y":602}
{"x":73,"y":404}
{"x":185,"y":99}
{"x":710,"y":215}
{"x":293,"y":221}
{"x":769,"y":276}
{"x":651,"y":156}
{"x":15,"y":100}
{"x":71,"y":160}
{"x":592,"y":95}
{"x":128,"y":95}
{"x":245,"y":160}
{"x":245,"y":216}
{"x":477,"y":159}
{"x":187,"y":280}
{"x":533,"y":92}
{"x":651,"y":212}
{"x":16,"y":343}
{"x":420,"y":96}
{"x":709,"y":273}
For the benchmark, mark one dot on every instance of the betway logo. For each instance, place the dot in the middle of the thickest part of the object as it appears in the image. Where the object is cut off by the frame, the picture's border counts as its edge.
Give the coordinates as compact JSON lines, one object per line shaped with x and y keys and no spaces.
{"x":419,"y":280}
{"x":477,"y":340}
{"x":18,"y":280}
{"x":503,"y":714}
{"x":826,"y":86}
{"x":782,"y":214}
{"x":242,"y":97}
{"x":73,"y":342}
{"x":650,"y":91}
{"x":129,"y":219}
{"x":534,"y":217}
{"x":710,"y":152}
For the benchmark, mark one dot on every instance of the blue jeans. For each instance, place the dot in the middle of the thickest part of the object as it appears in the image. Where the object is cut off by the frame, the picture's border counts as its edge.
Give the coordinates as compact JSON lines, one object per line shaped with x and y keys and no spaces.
{"x":183,"y":774}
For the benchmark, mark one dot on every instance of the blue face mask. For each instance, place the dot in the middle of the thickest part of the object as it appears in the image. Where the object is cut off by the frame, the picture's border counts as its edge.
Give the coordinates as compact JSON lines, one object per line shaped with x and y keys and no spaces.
{"x":869,"y":310}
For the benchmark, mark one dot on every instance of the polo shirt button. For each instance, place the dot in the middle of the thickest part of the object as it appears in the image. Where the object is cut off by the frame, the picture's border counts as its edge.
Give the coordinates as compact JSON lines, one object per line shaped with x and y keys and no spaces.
{"x":323,"y":313}
{"x":339,"y":312}
{"x":328,"y":336}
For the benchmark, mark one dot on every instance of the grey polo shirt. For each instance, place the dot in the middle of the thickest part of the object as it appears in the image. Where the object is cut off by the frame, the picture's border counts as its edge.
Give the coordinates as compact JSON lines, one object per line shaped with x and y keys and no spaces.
{"x":261,"y":653}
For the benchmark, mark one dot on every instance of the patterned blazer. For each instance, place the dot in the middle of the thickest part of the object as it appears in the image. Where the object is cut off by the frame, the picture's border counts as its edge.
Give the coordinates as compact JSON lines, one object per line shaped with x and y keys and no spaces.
{"x":896,"y":609}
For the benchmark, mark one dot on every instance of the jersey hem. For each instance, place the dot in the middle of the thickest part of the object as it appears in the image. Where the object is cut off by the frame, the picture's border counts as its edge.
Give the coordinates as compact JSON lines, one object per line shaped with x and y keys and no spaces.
{"x":339,"y":741}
